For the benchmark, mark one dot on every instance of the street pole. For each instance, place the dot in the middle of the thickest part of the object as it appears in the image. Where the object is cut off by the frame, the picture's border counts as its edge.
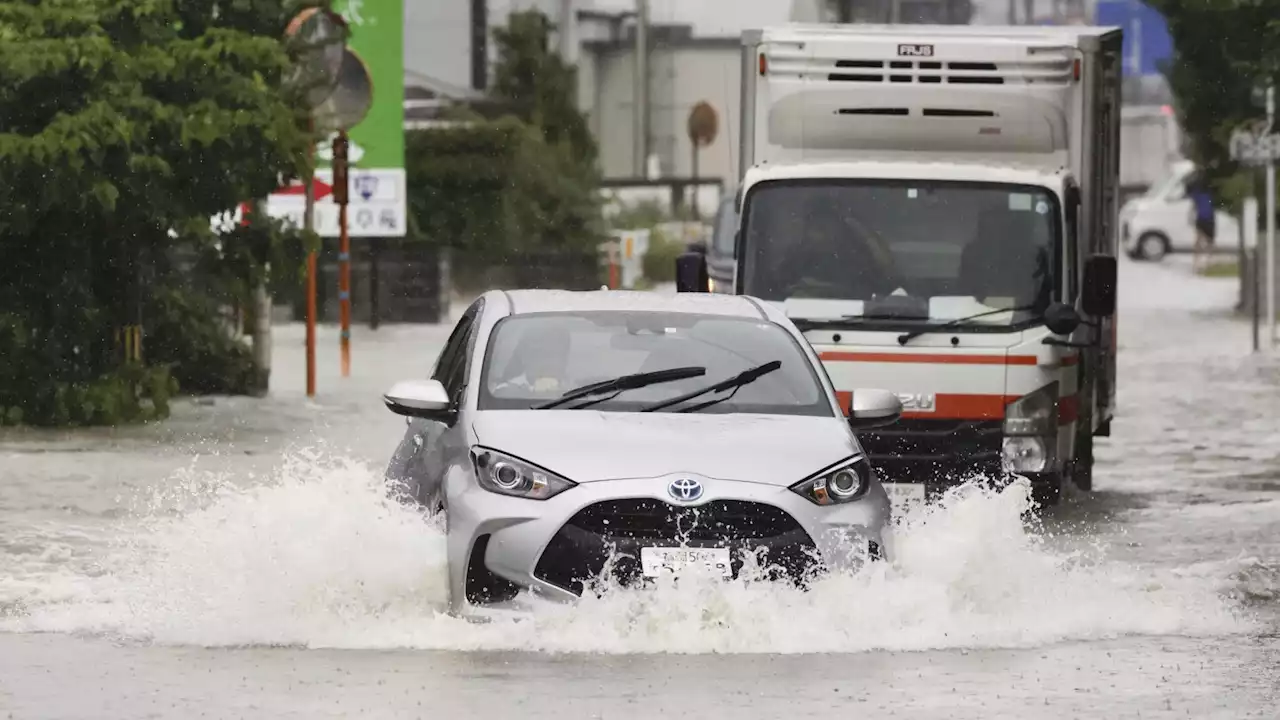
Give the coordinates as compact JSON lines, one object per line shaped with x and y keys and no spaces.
{"x":309,"y":226}
{"x":641,"y":79}
{"x":1271,"y":223}
{"x":340,"y":185}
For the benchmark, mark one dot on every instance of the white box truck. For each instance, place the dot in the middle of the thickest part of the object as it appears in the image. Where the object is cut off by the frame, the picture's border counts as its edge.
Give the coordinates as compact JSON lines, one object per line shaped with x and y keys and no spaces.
{"x":935,"y":206}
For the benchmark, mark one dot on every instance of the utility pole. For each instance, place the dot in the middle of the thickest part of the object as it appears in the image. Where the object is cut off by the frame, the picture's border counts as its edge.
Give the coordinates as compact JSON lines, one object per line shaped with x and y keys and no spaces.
{"x":641,"y":79}
{"x":1271,"y":219}
{"x":309,"y":227}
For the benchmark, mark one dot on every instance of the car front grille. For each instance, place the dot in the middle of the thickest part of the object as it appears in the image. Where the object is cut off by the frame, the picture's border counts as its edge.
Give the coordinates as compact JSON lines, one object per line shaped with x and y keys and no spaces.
{"x":581,"y":549}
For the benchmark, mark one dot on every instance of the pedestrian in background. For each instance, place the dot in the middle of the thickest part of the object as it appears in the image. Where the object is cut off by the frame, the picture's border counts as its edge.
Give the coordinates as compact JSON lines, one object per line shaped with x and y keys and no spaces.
{"x":1203,"y":220}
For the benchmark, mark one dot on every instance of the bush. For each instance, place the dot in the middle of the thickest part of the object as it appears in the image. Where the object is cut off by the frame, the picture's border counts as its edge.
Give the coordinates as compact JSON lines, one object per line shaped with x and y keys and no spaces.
{"x":659,"y":263}
{"x":186,"y":336}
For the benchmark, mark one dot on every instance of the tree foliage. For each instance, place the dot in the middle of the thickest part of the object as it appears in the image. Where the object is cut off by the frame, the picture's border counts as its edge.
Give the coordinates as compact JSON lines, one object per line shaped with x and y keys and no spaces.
{"x":1223,"y":49}
{"x":540,"y":86}
{"x":494,"y":189}
{"x":124,"y":126}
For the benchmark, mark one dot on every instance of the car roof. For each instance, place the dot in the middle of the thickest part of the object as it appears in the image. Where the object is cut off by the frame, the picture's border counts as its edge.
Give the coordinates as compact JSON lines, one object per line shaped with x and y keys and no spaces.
{"x":522,"y":302}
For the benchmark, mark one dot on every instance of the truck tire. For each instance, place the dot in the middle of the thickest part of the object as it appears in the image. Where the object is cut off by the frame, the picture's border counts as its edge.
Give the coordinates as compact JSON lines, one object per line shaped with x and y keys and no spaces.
{"x":1082,"y":467}
{"x":1047,"y":492}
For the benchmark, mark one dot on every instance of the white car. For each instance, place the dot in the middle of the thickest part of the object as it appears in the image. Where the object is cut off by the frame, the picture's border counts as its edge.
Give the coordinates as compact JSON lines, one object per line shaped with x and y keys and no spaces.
{"x":561,"y":430}
{"x":1161,"y":221}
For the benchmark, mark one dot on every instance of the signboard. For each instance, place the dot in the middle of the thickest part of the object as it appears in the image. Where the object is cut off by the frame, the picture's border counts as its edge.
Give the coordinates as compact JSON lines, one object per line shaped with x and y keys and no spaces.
{"x":1252,"y":149}
{"x":378,"y":204}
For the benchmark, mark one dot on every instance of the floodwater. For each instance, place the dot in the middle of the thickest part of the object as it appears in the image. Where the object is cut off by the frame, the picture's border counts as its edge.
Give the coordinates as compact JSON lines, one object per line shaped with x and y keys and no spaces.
{"x":240,"y":560}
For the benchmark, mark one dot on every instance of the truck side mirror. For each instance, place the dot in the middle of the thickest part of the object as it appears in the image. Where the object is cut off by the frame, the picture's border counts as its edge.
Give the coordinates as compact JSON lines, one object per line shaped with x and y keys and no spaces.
{"x":691,"y":273}
{"x":1098,"y":295}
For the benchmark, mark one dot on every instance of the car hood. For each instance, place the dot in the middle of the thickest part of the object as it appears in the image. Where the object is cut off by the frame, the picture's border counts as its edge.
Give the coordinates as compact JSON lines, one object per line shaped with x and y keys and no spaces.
{"x":586,"y":446}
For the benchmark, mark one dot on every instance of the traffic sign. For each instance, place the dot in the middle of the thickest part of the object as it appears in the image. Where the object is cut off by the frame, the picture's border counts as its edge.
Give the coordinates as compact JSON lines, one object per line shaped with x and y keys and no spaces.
{"x":1252,"y":149}
{"x":320,"y":188}
{"x":378,"y":202}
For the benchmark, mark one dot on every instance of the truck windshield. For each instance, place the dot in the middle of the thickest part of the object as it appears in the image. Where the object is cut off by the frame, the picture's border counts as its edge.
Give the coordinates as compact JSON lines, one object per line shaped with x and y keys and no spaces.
{"x":902,"y":252}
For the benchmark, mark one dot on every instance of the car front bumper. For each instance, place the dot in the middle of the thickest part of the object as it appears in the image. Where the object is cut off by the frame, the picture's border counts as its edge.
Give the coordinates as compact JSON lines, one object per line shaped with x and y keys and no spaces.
{"x":551,"y":546}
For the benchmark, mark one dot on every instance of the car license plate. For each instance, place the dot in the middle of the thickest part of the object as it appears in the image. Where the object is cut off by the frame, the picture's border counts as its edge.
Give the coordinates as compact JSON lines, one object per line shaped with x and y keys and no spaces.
{"x":655,"y":561}
{"x":904,"y":496}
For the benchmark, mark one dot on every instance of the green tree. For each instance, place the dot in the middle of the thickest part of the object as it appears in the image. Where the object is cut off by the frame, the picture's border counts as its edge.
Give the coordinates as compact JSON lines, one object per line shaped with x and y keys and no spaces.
{"x":126,"y":125}
{"x":1223,"y":49}
{"x":539,"y":85}
{"x":520,"y":181}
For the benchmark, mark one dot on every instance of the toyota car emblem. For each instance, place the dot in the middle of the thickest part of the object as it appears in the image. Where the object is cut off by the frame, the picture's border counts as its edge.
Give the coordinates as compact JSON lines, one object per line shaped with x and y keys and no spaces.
{"x":685,"y":489}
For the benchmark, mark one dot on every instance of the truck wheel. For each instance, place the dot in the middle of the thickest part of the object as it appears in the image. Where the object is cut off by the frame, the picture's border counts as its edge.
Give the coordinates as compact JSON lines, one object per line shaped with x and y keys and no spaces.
{"x":1047,"y":493}
{"x":1082,"y":468}
{"x":1153,"y":247}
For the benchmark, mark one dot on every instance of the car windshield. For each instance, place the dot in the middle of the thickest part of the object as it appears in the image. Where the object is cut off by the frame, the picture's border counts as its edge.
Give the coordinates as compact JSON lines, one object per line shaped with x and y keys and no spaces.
{"x":537,"y":357}
{"x":902,"y":252}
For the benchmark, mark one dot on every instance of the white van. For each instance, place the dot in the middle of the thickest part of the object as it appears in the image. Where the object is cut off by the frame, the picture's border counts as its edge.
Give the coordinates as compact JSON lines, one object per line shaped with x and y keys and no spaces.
{"x":1160,"y":222}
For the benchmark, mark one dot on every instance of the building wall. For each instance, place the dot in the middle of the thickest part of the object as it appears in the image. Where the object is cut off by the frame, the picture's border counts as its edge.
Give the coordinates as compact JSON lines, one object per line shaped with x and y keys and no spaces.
{"x":706,"y":69}
{"x":437,"y":40}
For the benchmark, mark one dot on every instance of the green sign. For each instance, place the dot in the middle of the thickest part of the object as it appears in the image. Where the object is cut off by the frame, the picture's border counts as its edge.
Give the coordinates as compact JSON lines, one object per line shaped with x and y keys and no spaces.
{"x":377,"y":37}
{"x":378,"y":205}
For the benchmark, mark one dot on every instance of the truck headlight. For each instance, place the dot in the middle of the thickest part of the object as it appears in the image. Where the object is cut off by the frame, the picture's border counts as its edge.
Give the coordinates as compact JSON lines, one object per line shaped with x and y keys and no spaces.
{"x":506,"y":475}
{"x":1033,"y":414}
{"x":1024,"y":454}
{"x":846,"y":482}
{"x":1030,"y":431}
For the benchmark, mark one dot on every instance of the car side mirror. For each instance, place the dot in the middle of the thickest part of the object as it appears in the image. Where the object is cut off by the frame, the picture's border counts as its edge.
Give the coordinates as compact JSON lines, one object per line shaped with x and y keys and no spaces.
{"x":691,"y":273}
{"x":1098,"y":294}
{"x":874,"y":408}
{"x":425,"y":399}
{"x":1061,"y":319}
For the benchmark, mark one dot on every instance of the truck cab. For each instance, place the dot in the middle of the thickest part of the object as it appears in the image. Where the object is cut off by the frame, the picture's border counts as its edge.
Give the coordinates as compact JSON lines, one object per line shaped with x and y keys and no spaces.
{"x":935,"y":208}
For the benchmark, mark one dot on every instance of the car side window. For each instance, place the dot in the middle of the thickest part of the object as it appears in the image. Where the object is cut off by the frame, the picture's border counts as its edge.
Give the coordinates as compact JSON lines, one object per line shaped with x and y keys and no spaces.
{"x":450,"y":351}
{"x":455,"y":360}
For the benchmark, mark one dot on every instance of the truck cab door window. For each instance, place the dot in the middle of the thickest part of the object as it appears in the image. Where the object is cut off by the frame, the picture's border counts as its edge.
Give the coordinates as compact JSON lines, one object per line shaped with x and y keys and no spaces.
{"x":1071,"y":255}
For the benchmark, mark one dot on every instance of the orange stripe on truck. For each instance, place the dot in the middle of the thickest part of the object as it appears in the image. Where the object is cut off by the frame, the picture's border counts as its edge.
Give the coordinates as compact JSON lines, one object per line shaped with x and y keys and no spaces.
{"x":952,"y":406}
{"x":927,"y":358}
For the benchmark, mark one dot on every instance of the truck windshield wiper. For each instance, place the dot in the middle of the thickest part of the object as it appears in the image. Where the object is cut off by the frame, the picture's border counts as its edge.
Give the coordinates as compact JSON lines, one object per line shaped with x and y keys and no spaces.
{"x":907,"y":337}
{"x":745,"y":377}
{"x":619,"y":384}
{"x":845,"y":321}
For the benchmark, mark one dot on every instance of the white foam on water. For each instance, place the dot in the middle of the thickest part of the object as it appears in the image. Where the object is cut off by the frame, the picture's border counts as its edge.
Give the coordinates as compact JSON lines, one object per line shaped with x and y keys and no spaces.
{"x":319,"y":556}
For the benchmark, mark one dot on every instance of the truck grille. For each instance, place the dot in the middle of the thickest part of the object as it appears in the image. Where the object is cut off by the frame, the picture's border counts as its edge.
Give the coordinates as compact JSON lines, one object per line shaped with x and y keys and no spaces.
{"x":581,"y":548}
{"x":934,"y":452}
{"x":1053,"y":68}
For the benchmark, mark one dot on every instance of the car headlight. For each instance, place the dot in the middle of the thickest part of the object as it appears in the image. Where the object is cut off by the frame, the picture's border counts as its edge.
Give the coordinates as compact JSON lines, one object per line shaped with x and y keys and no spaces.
{"x":846,"y":482}
{"x":1035,"y":414}
{"x":506,"y":475}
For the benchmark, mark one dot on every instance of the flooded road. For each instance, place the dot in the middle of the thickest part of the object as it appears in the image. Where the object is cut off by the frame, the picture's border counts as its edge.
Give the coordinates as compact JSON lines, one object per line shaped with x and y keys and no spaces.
{"x":241,"y":561}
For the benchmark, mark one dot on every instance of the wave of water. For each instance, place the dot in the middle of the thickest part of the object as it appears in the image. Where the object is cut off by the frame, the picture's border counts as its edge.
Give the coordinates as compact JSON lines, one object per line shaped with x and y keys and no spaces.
{"x":319,"y":556}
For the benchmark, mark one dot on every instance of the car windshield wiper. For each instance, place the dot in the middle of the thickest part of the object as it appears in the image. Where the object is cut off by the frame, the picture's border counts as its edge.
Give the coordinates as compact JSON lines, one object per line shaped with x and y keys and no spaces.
{"x":619,"y":384}
{"x":907,"y":337}
{"x":737,"y":381}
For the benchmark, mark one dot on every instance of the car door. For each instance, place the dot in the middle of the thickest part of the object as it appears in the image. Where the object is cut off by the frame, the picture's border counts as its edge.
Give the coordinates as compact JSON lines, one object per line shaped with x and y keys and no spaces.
{"x":451,"y":370}
{"x":1175,"y":218}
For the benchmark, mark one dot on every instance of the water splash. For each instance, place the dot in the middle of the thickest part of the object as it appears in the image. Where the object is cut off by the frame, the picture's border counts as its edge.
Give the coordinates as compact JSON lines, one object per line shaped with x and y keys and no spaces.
{"x":320,"y":556}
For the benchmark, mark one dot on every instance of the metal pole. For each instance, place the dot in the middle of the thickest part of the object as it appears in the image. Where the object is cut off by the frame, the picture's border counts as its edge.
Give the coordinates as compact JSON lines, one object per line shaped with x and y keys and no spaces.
{"x":1250,"y":285}
{"x":375,"y":307}
{"x":1271,"y":225}
{"x":642,"y":88}
{"x":344,"y":248}
{"x":309,"y":226}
